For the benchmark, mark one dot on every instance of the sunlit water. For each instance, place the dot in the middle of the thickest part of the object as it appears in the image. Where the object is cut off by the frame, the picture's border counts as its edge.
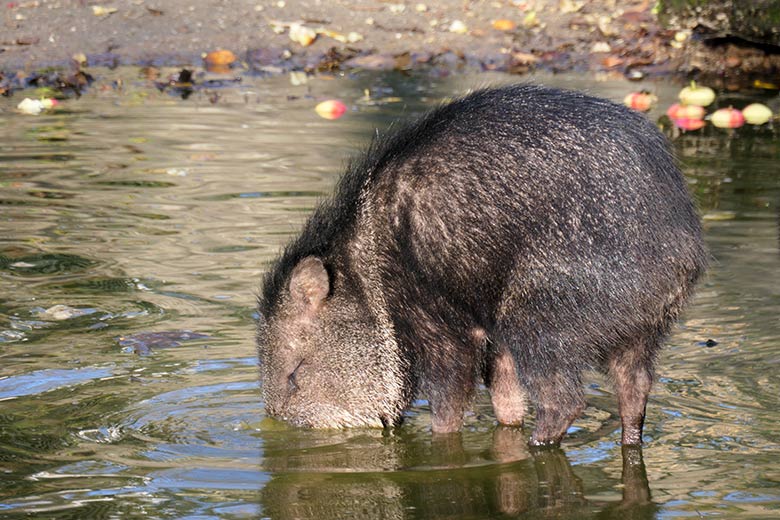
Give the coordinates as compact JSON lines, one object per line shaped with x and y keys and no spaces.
{"x":134,"y":229}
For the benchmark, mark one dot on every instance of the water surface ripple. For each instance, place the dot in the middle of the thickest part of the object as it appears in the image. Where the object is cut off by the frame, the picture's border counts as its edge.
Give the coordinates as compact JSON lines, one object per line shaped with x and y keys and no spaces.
{"x":134,"y":229}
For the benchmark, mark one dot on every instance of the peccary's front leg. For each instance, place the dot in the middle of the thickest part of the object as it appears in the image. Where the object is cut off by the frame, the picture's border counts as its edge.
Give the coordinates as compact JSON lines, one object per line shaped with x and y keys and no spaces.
{"x":446,"y":413}
{"x":450,"y":379}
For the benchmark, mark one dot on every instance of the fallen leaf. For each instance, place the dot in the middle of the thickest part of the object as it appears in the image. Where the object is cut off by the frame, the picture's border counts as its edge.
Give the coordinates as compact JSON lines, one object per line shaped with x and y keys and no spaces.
{"x":504,"y":25}
{"x":605,"y":27}
{"x":99,"y":10}
{"x":351,"y":37}
{"x":61,"y":312}
{"x":612,"y":61}
{"x":143,"y":343}
{"x":373,"y":62}
{"x":458,"y":27}
{"x":150,"y":73}
{"x":27,"y":40}
{"x":298,"y":77}
{"x":570,"y":6}
{"x":530,"y":19}
{"x":524,"y":58}
{"x":80,"y":59}
{"x":765,"y":85}
{"x":302,"y":34}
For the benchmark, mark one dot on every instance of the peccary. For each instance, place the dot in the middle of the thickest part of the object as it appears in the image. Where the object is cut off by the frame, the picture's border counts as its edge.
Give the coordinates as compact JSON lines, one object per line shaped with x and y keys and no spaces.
{"x":520,"y":234}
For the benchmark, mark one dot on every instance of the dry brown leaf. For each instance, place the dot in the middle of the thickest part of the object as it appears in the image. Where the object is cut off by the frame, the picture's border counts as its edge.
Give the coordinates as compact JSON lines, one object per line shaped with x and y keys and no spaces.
{"x":302,"y":34}
{"x":504,"y":25}
{"x":524,"y":58}
{"x":612,"y":61}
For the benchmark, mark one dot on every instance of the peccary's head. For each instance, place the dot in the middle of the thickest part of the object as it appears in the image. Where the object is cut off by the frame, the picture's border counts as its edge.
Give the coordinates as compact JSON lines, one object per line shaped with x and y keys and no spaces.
{"x":325,"y":361}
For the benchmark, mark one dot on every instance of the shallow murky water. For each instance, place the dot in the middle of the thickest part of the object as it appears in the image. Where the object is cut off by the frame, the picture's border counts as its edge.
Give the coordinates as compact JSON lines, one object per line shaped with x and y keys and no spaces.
{"x":134,"y":228}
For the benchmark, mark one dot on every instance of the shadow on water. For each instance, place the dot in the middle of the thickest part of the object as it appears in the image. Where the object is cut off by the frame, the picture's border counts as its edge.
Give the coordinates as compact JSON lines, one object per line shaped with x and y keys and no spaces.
{"x":387,"y":480}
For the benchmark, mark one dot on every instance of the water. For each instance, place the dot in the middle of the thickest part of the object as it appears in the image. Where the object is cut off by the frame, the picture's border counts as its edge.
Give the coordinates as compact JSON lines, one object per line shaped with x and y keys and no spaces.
{"x":134,"y":229}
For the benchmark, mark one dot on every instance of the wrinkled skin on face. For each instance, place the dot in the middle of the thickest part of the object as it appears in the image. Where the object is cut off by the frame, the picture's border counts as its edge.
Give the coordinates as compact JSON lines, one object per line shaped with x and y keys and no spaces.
{"x":325,"y":363}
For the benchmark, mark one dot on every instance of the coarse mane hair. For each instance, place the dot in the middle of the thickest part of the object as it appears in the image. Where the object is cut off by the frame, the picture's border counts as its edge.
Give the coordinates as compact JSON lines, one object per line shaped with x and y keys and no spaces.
{"x":335,"y":217}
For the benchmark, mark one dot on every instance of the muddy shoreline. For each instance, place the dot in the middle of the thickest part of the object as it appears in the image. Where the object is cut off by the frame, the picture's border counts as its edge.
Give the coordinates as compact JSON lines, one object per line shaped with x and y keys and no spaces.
{"x":615,"y":39}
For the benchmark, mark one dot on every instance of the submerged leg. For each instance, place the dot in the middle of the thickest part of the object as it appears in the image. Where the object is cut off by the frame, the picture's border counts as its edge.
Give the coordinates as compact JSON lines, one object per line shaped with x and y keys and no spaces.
{"x":632,"y":372}
{"x":551,"y":376}
{"x":559,"y":400}
{"x":451,"y":371}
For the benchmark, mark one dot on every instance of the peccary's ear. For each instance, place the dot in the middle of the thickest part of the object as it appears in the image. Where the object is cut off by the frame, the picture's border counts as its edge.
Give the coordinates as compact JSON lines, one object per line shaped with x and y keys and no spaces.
{"x":309,"y":283}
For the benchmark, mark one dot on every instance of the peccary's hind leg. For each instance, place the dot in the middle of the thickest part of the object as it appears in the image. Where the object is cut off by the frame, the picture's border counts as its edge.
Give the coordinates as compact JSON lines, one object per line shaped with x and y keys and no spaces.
{"x":506,"y":393}
{"x":559,"y":400}
{"x":632,"y":371}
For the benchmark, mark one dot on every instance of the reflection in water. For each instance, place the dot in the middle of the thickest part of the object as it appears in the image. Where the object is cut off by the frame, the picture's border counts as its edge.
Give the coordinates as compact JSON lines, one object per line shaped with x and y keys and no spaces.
{"x":519,"y":481}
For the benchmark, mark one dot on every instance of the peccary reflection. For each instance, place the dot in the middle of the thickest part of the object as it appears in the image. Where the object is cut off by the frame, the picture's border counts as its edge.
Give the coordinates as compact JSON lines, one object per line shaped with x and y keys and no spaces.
{"x":521,"y":234}
{"x":364,"y":476}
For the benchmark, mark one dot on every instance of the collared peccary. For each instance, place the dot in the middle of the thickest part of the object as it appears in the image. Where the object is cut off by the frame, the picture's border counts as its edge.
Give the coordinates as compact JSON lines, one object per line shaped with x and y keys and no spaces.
{"x":521,"y":234}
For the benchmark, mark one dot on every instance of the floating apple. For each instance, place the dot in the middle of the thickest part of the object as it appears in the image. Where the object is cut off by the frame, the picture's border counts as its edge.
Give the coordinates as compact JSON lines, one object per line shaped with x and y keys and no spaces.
{"x":697,"y":95}
{"x":641,"y":101}
{"x":727,"y":118}
{"x":678,"y":111}
{"x":36,"y":106}
{"x":219,"y":61}
{"x":757,"y":113}
{"x":49,"y":103}
{"x":331,"y":109}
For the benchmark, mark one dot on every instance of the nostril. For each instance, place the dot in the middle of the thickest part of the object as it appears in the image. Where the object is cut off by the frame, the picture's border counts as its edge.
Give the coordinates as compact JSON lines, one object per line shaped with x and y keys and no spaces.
{"x":292,"y":382}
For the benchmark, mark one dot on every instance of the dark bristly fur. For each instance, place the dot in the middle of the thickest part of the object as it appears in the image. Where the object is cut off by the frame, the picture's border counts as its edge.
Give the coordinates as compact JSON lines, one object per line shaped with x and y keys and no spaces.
{"x":520,"y":234}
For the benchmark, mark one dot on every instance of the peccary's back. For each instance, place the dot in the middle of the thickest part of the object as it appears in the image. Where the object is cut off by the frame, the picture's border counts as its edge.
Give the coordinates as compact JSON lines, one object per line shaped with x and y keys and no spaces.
{"x":543,"y":204}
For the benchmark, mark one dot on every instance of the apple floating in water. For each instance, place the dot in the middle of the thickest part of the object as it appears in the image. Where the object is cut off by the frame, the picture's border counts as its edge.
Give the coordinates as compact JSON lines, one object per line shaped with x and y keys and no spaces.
{"x":757,"y":113}
{"x":697,"y":95}
{"x":641,"y":101}
{"x":678,"y":111}
{"x":36,"y":106}
{"x":331,"y":109}
{"x":727,"y":118}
